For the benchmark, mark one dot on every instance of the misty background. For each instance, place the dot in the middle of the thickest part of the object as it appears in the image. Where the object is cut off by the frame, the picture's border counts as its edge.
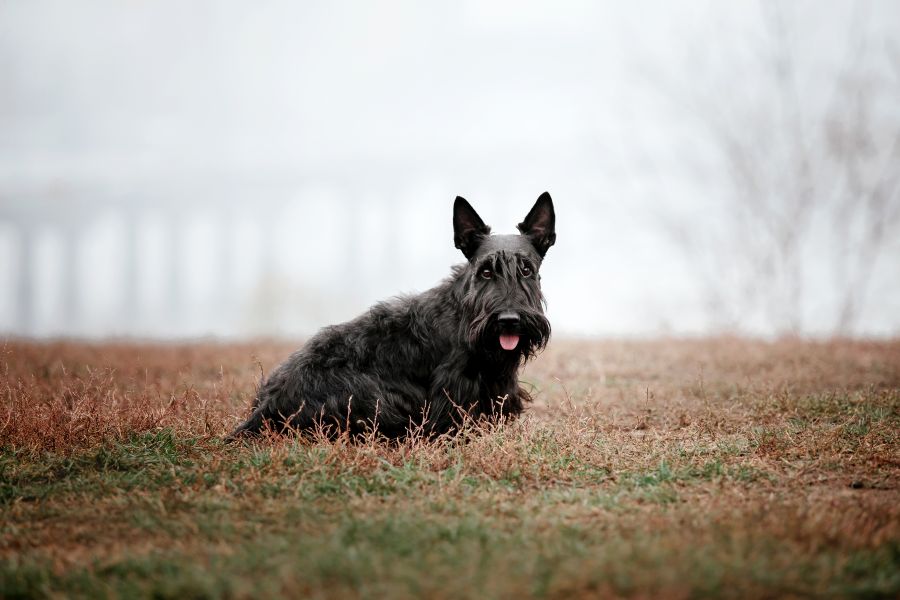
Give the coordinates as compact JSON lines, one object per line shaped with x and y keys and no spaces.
{"x":180,"y":169}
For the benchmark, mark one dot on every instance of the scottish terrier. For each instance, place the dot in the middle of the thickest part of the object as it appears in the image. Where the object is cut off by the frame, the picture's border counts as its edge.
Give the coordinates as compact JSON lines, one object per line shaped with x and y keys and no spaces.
{"x":425,"y":362}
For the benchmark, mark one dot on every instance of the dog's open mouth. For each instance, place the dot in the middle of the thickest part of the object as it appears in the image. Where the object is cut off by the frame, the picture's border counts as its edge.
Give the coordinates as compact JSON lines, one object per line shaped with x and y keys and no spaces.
{"x":509,"y":341}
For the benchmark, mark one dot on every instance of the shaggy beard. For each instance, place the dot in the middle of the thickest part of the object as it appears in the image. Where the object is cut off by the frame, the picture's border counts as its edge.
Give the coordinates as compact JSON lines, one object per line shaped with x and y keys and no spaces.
{"x":534,"y":332}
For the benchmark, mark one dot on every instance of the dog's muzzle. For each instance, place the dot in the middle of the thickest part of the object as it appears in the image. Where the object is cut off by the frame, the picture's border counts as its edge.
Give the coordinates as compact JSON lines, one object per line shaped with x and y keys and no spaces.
{"x":508,"y":321}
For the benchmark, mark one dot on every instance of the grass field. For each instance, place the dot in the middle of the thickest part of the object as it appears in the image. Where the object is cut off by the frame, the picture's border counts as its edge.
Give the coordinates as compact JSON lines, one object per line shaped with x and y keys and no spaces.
{"x":721,"y":467}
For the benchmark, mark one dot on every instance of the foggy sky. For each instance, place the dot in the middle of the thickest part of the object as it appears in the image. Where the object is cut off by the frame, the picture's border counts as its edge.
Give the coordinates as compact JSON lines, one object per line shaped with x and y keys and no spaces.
{"x":366,"y":120}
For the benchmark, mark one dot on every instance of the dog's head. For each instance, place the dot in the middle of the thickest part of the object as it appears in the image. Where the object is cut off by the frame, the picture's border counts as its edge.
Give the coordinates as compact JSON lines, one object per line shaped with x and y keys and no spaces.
{"x":502,"y":283}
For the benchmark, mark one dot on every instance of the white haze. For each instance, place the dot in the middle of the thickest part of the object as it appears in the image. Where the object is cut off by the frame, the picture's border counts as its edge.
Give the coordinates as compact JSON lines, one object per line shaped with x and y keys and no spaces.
{"x":301,"y":158}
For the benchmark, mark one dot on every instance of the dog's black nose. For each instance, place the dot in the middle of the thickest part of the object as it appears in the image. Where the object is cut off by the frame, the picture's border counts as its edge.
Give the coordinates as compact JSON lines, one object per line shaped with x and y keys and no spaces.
{"x":508,"y":318}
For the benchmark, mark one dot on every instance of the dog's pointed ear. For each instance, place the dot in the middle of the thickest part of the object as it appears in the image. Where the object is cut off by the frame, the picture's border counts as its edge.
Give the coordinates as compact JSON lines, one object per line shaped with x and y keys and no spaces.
{"x":468,"y":228}
{"x":540,"y":224}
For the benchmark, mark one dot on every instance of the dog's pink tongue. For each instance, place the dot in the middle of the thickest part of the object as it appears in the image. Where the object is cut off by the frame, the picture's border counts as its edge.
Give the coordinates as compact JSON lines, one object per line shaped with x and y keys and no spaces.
{"x":509,"y":342}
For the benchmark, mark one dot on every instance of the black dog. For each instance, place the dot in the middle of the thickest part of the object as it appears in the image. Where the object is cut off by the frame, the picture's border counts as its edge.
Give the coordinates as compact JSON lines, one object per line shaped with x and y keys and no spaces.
{"x":425,"y":362}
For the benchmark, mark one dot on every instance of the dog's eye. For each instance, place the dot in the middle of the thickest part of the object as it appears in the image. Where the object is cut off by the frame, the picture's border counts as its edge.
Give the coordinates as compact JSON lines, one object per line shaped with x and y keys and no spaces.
{"x":487,"y":274}
{"x":526,"y":271}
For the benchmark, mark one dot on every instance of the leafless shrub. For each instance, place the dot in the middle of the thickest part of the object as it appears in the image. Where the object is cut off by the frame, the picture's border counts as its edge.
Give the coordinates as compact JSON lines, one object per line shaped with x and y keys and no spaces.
{"x":808,"y":150}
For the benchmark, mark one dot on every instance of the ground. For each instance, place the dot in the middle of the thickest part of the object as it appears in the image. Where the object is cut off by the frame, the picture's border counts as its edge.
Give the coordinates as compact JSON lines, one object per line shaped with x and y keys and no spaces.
{"x":676,"y":468}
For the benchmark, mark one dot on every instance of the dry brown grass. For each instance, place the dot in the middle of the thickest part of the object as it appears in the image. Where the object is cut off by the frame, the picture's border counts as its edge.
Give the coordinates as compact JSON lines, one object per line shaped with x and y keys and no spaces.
{"x":679,"y":467}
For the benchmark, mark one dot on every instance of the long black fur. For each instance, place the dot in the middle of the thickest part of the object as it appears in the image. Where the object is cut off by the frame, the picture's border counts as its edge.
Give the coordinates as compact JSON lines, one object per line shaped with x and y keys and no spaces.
{"x":429,"y":361}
